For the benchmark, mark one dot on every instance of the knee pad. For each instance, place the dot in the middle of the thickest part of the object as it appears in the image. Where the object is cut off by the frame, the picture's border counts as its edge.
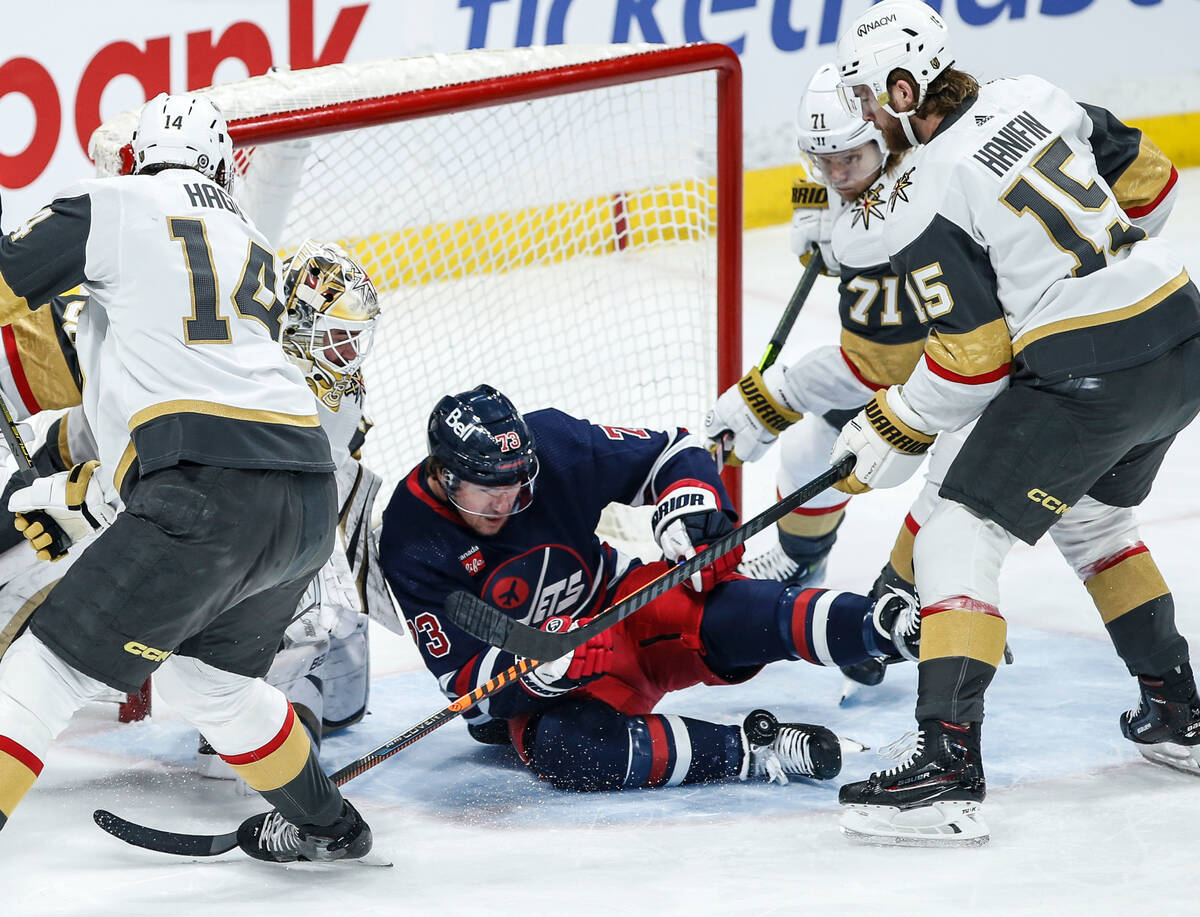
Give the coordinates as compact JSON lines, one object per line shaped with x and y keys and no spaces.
{"x":39,"y":693}
{"x":580,"y":746}
{"x":1092,"y":531}
{"x":235,"y":713}
{"x":958,"y":552}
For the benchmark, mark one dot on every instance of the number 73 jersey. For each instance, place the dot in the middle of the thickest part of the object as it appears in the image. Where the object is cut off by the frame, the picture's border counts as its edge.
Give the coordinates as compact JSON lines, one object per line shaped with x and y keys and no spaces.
{"x":1009,"y":237}
{"x":179,"y":341}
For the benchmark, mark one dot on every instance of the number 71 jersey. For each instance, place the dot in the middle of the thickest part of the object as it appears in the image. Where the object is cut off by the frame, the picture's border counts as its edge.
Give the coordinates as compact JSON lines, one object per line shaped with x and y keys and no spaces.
{"x":1008,"y":236}
{"x":179,"y":342}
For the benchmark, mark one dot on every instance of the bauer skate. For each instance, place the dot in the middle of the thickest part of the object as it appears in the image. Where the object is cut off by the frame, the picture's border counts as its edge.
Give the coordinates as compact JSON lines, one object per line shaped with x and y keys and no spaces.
{"x":1165,"y":725}
{"x":930,"y":800}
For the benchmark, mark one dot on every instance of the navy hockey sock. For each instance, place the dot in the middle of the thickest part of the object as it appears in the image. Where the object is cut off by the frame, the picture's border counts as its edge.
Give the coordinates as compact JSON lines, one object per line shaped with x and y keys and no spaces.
{"x":753,"y":622}
{"x":587,"y":745}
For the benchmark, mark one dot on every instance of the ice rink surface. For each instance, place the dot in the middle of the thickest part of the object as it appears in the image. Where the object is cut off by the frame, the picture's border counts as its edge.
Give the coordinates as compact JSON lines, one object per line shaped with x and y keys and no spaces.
{"x":1080,"y":824}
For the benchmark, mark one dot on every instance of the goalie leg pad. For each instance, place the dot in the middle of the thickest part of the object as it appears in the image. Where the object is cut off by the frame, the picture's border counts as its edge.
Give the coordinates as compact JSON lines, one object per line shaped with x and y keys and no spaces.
{"x":345,"y":676}
{"x":953,"y":823}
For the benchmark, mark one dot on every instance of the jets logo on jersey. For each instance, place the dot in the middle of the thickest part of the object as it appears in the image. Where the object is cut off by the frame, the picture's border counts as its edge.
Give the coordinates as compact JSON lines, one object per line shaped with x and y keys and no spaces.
{"x":549,"y":580}
{"x":472,"y":560}
{"x":900,"y":189}
{"x":510,"y":592}
{"x":868,"y":206}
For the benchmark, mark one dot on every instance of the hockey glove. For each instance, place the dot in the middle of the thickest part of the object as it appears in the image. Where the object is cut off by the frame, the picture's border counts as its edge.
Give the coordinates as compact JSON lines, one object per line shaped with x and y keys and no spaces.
{"x":56,"y":511}
{"x":688,"y":519}
{"x":885,"y":442}
{"x":754,"y":412}
{"x":812,"y":226}
{"x":585,"y":663}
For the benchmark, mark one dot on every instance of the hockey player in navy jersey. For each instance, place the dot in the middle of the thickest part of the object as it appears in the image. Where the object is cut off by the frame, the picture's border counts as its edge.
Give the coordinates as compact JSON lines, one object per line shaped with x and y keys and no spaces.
{"x":1072,"y":340}
{"x":506,"y":507}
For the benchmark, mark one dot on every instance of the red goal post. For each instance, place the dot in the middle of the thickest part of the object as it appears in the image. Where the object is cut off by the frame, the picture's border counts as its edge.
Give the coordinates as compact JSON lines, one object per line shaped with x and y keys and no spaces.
{"x":529,"y":215}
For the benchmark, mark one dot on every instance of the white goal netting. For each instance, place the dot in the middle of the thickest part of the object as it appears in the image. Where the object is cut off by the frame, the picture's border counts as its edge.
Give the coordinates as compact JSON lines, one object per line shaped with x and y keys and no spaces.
{"x":526,"y":228}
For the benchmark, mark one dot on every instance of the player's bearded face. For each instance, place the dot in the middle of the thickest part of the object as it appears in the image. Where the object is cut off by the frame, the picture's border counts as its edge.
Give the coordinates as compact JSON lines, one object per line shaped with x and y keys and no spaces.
{"x":888,"y":124}
{"x":486,"y":509}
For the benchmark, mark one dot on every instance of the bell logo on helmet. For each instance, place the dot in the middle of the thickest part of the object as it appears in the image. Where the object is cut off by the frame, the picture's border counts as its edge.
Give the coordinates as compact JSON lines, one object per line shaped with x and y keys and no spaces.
{"x":874,"y":24}
{"x":461,"y":428}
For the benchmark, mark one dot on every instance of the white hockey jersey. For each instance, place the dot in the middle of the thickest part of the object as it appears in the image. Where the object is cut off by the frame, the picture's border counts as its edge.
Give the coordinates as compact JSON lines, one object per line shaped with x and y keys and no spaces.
{"x":1019,"y":253}
{"x":178,"y":344}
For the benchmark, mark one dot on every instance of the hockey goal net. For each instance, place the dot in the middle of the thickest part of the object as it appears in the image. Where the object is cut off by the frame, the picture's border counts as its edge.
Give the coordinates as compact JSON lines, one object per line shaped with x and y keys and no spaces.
{"x":563,"y":223}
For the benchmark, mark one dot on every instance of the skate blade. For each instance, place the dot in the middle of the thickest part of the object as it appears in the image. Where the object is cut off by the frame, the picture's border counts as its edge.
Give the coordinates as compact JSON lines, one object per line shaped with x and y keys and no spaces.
{"x":373,"y":858}
{"x":852,"y":746}
{"x":1177,"y":757}
{"x":942,"y":824}
{"x":849,"y":689}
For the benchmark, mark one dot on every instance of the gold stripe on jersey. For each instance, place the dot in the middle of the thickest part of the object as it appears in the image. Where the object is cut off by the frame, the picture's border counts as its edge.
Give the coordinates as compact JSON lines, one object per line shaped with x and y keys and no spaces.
{"x":125,"y":468}
{"x":212,"y":409}
{"x":979,"y":352}
{"x":957,"y":632}
{"x":64,"y":442}
{"x":1101,"y":318}
{"x":1125,"y":586}
{"x":878,"y":363}
{"x":42,"y":359}
{"x":12,"y":306}
{"x":1143,"y":179}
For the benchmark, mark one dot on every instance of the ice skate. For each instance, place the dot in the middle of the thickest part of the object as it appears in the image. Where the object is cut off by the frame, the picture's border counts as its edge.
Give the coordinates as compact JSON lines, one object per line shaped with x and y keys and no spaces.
{"x":1165,"y":725}
{"x":776,"y":750}
{"x":273,"y":838}
{"x":775,"y":564}
{"x":932,"y":799}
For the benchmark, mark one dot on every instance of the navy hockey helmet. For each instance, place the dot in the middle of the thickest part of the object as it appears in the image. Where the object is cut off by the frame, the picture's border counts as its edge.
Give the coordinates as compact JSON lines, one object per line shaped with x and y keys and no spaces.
{"x":480,"y":437}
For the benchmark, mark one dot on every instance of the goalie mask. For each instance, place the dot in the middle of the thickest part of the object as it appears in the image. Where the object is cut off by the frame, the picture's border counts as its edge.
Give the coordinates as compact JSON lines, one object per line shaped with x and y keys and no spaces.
{"x":480,"y":438}
{"x":185,"y":130}
{"x":332,"y":314}
{"x":848,"y":152}
{"x":895,"y":34}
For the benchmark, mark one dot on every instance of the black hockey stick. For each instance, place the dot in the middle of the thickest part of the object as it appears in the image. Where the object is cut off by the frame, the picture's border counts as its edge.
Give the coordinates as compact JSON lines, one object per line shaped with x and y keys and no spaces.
{"x":204,"y":845}
{"x":16,"y":445}
{"x":723,"y":448}
{"x":215,"y":844}
{"x":492,"y":626}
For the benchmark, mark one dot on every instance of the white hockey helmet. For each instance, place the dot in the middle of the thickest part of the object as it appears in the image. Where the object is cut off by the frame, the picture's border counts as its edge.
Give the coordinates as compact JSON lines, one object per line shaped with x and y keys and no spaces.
{"x":332,"y":314}
{"x":893,"y":34}
{"x":184,"y":130}
{"x":834,"y":140}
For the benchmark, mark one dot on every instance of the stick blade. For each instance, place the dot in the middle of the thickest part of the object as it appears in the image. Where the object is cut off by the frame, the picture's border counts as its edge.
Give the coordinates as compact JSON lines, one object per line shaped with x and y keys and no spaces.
{"x":198,"y":845}
{"x":478,"y":618}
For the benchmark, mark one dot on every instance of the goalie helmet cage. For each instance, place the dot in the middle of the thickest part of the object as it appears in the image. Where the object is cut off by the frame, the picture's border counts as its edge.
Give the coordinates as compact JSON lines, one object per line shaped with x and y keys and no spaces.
{"x":561,"y":222}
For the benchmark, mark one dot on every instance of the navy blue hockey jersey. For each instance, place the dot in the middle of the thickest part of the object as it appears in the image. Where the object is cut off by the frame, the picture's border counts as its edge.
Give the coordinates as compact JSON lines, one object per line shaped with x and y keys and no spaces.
{"x":545,"y":561}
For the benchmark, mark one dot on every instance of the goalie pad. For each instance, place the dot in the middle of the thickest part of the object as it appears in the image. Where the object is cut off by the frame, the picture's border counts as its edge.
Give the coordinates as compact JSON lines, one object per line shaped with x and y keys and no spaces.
{"x":345,"y":675}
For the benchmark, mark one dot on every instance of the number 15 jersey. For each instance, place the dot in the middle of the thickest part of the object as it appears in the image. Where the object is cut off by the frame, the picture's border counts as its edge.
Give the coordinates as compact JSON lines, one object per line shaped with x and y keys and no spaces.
{"x":1011,"y":241}
{"x":179,"y":342}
